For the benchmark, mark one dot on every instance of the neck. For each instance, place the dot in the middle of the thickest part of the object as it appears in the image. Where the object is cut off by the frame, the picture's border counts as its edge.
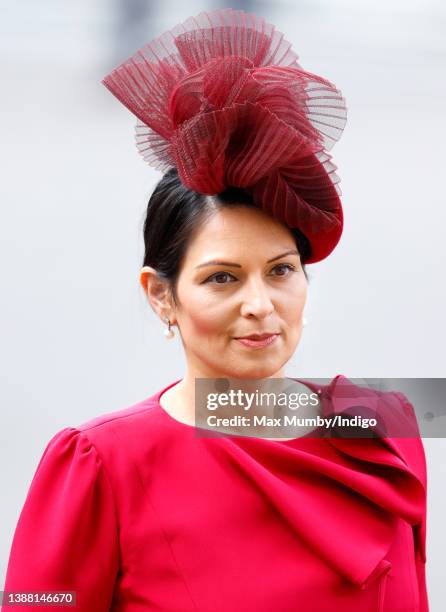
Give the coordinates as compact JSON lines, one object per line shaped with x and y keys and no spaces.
{"x":181,"y":398}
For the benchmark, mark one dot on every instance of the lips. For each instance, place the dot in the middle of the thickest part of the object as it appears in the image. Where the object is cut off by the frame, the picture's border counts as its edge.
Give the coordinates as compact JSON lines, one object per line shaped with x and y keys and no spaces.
{"x":258,"y":341}
{"x":257,"y":336}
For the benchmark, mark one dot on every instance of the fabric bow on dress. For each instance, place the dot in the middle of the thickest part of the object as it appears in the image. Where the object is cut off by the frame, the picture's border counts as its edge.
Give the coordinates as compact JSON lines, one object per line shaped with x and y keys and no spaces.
{"x":378,"y":481}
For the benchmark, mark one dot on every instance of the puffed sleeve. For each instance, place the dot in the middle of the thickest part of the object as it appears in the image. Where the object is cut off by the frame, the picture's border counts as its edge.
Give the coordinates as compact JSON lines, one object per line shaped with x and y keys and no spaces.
{"x":66,"y":537}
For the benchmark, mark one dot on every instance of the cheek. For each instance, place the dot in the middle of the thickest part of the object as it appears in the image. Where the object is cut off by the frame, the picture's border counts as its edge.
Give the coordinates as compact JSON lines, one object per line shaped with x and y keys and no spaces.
{"x":204,"y":317}
{"x":294,"y":304}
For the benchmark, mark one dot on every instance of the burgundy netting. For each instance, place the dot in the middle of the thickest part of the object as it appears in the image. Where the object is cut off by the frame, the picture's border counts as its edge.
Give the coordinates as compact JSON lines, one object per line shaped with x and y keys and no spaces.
{"x":223,"y":98}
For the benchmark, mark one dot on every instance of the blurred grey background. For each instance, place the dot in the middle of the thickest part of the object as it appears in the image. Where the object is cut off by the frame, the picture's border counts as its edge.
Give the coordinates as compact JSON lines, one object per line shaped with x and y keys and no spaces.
{"x":78,"y":338}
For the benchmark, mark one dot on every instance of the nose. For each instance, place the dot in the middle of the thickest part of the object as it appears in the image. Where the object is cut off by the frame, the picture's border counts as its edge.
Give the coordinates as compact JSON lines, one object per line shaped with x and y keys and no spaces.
{"x":256,"y":300}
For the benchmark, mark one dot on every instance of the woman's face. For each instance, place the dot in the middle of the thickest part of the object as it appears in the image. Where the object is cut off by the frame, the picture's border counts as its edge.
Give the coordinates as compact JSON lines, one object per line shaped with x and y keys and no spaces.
{"x":260,"y":289}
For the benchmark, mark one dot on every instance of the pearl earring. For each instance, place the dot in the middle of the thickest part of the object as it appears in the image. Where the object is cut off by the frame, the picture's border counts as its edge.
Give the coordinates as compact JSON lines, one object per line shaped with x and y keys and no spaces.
{"x":168,"y":332}
{"x":304,"y":321}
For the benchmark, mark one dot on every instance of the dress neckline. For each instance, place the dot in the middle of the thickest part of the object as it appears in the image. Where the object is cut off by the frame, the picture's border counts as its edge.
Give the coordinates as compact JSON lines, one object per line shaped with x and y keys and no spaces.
{"x":208,"y":434}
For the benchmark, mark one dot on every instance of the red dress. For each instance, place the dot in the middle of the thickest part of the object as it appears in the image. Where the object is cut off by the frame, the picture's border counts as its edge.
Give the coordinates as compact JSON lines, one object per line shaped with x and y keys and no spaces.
{"x":135,"y":512}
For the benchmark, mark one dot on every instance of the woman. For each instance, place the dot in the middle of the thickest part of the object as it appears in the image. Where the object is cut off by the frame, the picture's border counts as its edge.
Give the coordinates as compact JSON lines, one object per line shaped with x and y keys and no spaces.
{"x":136,"y":511}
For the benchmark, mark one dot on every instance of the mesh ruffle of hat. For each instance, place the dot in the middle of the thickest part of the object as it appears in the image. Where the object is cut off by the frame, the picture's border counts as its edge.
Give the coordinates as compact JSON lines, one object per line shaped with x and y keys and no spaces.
{"x":223,"y":99}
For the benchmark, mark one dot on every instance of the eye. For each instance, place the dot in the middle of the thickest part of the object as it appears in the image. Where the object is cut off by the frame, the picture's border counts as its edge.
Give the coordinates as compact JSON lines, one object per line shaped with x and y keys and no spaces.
{"x":218,"y":277}
{"x":213,"y":278}
{"x":288,"y":267}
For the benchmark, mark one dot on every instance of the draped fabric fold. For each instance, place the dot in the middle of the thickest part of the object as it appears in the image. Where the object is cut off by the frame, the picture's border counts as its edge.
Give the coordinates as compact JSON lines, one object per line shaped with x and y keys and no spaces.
{"x":376,"y":480}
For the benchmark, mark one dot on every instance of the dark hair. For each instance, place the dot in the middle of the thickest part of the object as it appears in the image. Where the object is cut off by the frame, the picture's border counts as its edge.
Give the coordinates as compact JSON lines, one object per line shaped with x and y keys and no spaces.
{"x":175,"y":213}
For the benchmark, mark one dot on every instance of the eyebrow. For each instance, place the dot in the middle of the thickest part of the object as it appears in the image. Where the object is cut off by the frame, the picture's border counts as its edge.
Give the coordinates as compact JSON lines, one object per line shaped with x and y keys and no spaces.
{"x":217,"y":262}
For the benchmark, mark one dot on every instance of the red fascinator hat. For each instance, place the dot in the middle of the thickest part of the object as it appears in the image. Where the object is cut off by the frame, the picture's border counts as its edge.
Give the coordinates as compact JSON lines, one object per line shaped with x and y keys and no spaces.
{"x":223,"y":99}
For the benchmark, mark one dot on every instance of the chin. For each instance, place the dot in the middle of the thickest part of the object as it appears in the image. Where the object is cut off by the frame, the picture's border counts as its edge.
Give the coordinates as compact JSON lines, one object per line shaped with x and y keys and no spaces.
{"x":256,"y":371}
